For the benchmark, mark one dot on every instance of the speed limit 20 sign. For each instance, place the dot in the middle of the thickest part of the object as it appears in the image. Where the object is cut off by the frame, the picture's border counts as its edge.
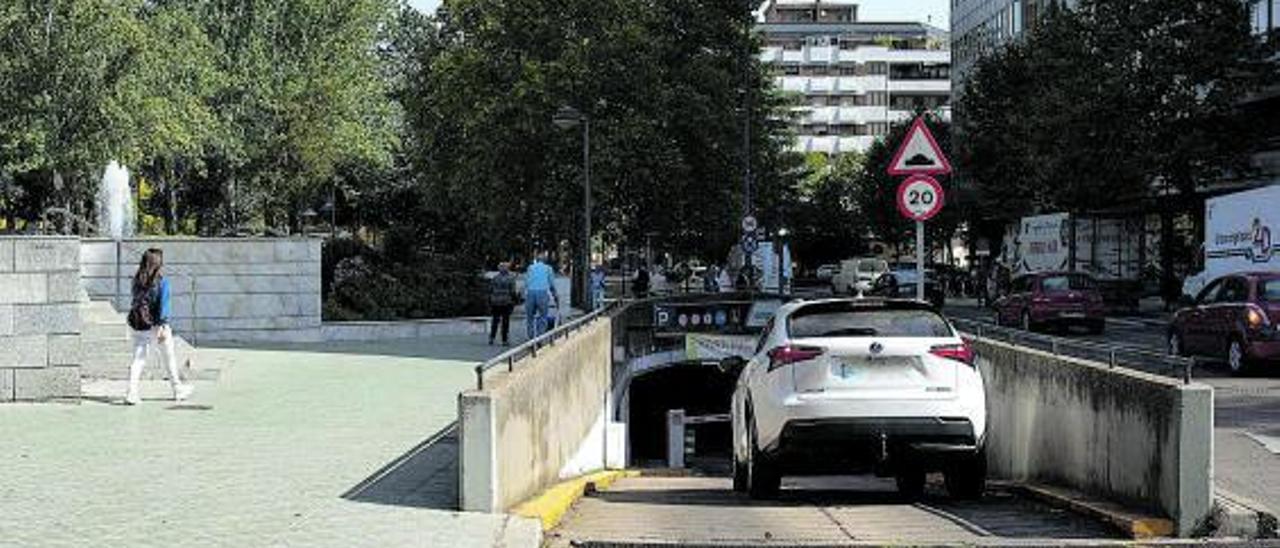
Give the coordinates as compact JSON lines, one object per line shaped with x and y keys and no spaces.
{"x":920,"y":198}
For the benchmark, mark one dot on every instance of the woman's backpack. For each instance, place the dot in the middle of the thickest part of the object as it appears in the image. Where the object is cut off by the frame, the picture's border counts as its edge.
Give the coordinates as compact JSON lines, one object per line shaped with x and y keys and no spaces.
{"x":142,"y":310}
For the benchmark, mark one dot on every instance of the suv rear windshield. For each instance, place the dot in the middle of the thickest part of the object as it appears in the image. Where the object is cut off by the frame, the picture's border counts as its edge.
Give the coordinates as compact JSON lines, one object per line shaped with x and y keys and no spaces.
{"x":1066,"y":283}
{"x":873,"y":322}
{"x":1269,"y":290}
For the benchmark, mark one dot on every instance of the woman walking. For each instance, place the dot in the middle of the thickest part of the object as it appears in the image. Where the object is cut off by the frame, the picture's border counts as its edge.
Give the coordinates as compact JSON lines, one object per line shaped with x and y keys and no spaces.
{"x":149,"y":318}
{"x":502,"y":300}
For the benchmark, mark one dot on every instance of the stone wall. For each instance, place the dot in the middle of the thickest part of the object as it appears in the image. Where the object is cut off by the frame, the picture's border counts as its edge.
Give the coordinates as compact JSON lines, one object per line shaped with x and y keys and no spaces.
{"x":39,"y":318}
{"x":1124,"y":435}
{"x":246,"y":289}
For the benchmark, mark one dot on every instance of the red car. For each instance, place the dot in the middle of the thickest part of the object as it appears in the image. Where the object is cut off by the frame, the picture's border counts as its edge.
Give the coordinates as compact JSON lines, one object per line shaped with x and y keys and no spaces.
{"x":1235,"y":318}
{"x":1060,"y":299}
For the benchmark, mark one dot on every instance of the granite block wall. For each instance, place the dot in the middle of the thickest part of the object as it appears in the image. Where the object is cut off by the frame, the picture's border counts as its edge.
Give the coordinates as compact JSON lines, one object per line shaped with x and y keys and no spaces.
{"x":245,"y":289}
{"x":39,"y":318}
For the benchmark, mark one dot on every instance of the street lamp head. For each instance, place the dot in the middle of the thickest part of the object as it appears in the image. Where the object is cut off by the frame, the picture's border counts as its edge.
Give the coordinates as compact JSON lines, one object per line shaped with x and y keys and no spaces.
{"x":783,"y":233}
{"x":567,"y":118}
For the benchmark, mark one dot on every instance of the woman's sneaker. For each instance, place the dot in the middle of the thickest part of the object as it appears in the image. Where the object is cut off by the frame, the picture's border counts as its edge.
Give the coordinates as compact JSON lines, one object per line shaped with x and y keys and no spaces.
{"x":183,"y":391}
{"x":132,"y":399}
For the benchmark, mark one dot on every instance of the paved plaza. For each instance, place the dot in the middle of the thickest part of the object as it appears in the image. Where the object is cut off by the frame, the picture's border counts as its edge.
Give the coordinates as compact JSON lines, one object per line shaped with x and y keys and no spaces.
{"x":279,"y":447}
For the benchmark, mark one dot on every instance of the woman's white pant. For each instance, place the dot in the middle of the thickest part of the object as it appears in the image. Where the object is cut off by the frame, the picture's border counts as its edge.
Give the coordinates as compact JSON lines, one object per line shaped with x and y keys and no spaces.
{"x":143,"y":340}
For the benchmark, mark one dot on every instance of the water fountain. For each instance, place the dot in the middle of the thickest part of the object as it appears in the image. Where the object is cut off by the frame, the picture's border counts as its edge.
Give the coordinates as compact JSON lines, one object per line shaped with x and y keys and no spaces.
{"x":115,"y":203}
{"x":116,"y":215}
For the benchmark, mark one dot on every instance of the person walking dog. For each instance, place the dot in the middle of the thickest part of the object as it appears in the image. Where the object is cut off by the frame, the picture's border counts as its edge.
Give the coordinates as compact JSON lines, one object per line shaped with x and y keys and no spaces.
{"x":149,"y":319}
{"x":502,"y":300}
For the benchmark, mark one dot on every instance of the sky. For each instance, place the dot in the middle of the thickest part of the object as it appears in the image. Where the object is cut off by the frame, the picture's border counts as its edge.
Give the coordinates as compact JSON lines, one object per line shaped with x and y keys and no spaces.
{"x":936,"y":11}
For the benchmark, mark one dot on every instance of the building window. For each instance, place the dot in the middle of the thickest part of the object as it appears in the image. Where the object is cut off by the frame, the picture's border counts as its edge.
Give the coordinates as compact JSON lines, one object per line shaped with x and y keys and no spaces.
{"x":818,"y":100}
{"x":877,"y":98}
{"x":916,"y":101}
{"x":920,"y":71}
{"x":877,"y":68}
{"x":791,"y":70}
{"x":848,"y":70}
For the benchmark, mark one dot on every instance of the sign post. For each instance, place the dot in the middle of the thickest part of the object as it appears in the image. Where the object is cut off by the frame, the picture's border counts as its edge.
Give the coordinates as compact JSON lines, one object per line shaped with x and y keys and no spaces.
{"x":920,"y":197}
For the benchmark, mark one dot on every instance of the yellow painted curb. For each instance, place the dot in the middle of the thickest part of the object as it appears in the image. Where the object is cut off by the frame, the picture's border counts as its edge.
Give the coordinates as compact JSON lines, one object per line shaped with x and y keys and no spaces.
{"x":551,"y":506}
{"x":1133,"y":524}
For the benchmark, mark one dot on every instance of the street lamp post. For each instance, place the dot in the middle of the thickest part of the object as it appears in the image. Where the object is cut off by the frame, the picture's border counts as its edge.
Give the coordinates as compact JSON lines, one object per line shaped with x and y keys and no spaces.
{"x":568,"y":118}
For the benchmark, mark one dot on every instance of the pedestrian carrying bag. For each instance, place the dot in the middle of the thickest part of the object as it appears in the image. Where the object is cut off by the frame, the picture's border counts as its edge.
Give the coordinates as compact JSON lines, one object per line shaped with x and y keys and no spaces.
{"x":142,"y":311}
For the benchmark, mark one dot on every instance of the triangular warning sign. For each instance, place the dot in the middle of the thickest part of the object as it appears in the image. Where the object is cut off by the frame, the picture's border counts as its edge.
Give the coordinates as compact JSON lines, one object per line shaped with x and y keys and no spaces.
{"x":919,"y":154}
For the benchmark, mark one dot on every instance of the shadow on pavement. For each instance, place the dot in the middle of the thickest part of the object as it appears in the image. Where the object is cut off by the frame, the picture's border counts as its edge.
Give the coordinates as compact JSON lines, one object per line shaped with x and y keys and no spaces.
{"x":424,"y":477}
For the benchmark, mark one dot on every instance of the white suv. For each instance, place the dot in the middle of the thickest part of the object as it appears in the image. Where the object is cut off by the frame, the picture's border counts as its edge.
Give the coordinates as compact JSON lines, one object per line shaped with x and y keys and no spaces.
{"x":859,"y":385}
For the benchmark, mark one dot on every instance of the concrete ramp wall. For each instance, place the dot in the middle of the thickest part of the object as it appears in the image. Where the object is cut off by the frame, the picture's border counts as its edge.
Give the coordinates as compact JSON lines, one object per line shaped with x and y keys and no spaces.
{"x":544,"y":422}
{"x":1120,"y":434}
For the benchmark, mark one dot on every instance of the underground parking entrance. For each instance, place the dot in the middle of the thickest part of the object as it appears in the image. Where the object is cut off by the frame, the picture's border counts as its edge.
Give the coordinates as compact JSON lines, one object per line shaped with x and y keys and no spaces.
{"x":700,"y":389}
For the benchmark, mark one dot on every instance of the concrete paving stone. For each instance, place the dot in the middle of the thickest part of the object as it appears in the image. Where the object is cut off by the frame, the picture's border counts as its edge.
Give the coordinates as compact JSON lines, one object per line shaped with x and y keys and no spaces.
{"x":46,"y":384}
{"x":24,"y":288}
{"x":259,"y":457}
{"x":6,"y":254}
{"x":24,"y":351}
{"x":64,"y":287}
{"x":46,"y":254}
{"x":41,"y":319}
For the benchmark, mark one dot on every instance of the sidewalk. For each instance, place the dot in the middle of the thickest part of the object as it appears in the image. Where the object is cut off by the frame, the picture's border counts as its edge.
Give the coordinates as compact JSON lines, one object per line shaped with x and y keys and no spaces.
{"x":260,"y":457}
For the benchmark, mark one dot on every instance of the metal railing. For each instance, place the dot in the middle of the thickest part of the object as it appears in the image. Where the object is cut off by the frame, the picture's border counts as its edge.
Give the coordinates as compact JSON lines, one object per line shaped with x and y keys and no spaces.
{"x":531,"y":347}
{"x":628,"y":315}
{"x":1113,"y":355}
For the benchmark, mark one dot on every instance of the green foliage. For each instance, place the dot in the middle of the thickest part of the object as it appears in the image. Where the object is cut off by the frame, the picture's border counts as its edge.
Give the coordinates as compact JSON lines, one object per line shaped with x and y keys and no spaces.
{"x":1101,"y":106}
{"x":233,"y":109}
{"x":362,"y":283}
{"x":662,"y":83}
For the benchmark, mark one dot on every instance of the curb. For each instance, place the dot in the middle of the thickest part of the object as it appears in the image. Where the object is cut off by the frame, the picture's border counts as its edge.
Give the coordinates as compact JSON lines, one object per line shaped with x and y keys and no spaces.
{"x":1239,"y":517}
{"x":551,"y":506}
{"x":1129,"y":522}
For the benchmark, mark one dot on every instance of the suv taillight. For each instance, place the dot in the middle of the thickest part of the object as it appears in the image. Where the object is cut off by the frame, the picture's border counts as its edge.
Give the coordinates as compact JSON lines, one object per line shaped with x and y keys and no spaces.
{"x":962,"y":352}
{"x":787,"y":355}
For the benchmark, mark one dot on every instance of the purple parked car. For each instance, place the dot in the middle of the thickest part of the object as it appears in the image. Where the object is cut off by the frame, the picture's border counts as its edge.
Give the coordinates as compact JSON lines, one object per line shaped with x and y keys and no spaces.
{"x":1061,"y":299}
{"x":1236,"y":318}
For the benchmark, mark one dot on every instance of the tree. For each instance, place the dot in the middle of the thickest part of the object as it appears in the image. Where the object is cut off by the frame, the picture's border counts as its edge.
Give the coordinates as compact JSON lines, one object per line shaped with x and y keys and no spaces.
{"x":1105,"y":107}
{"x":663,"y":83}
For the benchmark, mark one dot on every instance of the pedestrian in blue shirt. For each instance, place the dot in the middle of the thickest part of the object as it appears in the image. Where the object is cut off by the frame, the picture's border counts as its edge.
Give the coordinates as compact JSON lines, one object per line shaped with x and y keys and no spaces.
{"x":599,"y":283}
{"x":539,"y":290}
{"x":149,"y":317}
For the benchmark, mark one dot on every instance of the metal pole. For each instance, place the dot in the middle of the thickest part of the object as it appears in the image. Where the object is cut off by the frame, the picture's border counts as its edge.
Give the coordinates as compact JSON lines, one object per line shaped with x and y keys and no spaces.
{"x":586,"y":214}
{"x":920,"y":260}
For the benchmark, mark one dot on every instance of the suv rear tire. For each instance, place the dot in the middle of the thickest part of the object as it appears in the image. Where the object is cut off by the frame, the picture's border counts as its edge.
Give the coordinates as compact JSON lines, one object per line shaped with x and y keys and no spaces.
{"x":739,"y":475}
{"x":967,"y":479}
{"x":763,"y":481}
{"x":910,"y":479}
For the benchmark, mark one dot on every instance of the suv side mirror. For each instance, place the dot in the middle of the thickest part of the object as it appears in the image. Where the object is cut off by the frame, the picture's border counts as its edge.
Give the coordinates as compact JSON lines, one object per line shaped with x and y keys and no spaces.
{"x":1185,"y":301}
{"x":732,"y":365}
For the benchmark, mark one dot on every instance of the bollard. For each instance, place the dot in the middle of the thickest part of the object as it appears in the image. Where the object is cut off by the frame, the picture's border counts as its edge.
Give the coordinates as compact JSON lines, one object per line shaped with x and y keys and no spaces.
{"x":1053,"y":346}
{"x":1113,"y":359}
{"x":675,"y":438}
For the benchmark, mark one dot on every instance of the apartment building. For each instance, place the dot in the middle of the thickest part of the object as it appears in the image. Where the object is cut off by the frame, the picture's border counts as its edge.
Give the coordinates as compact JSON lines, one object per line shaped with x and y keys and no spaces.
{"x":853,"y":78}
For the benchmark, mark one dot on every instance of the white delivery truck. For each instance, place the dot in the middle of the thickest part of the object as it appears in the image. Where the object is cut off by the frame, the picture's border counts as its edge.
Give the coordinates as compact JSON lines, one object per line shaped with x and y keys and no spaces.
{"x":1110,"y":249}
{"x":1239,"y":236}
